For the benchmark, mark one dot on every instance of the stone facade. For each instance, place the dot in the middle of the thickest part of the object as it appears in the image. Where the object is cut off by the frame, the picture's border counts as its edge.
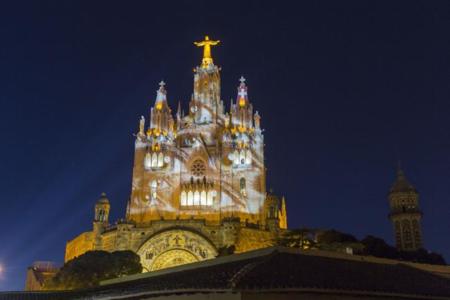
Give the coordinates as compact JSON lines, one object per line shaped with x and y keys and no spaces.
{"x":199,"y":181}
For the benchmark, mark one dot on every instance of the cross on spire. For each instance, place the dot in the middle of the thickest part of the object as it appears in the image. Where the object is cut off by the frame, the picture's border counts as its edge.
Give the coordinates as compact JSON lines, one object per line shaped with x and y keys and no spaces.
{"x":162,"y":84}
{"x":242,"y":79}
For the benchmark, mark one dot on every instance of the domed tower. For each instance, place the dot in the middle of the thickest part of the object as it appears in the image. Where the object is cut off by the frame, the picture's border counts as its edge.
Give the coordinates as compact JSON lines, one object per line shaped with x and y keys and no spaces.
{"x":102,"y":210}
{"x":405,"y":214}
{"x":100,"y":220}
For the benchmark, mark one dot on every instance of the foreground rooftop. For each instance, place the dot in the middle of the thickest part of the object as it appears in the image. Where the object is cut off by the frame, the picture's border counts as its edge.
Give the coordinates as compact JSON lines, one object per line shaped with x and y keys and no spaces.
{"x":274,"y":273}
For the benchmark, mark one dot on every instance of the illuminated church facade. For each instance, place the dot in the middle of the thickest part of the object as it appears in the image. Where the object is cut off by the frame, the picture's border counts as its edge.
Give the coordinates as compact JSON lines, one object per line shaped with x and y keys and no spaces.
{"x":199,"y":181}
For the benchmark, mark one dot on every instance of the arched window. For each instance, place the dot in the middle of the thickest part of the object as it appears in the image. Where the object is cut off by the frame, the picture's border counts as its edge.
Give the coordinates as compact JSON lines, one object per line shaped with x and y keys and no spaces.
{"x":203,"y":198}
{"x":100,"y":215}
{"x":183,"y":198}
{"x":210,"y":197}
{"x":242,"y":185}
{"x":190,"y":198}
{"x":196,"y":198}
{"x":160,"y":160}
{"x":154,"y":160}
{"x":236,"y":157}
{"x":248,"y":157}
{"x":148,"y":161}
{"x":242,"y":157}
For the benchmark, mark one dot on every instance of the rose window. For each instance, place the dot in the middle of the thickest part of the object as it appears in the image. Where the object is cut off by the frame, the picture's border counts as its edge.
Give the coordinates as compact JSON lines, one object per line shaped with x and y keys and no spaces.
{"x":198,"y":168}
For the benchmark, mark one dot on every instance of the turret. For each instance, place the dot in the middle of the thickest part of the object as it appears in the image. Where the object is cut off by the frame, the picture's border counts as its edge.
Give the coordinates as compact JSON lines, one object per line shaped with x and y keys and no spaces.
{"x":242,"y":111}
{"x":272,"y":212}
{"x":160,"y":133}
{"x":405,"y":214}
{"x":102,"y":209}
{"x":205,"y":103}
{"x":161,"y":121}
{"x":100,"y":219}
{"x":283,"y":214}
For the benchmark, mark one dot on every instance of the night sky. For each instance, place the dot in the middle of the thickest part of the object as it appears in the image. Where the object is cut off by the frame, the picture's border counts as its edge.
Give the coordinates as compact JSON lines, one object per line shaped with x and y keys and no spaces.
{"x":345,"y":90}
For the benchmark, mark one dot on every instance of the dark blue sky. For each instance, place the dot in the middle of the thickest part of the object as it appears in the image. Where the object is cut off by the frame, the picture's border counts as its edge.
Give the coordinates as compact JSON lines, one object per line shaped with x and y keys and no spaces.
{"x":344,"y":88}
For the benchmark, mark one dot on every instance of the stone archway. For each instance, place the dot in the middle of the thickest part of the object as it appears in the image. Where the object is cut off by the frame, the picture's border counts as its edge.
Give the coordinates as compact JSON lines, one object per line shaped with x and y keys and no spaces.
{"x":174,"y":247}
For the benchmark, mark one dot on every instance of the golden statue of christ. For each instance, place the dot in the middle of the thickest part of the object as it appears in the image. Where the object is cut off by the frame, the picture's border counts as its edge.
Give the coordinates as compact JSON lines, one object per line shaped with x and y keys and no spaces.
{"x":206,"y":44}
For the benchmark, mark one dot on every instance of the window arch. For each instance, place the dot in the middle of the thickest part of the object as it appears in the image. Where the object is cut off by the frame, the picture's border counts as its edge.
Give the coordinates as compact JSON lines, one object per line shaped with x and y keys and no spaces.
{"x":248,"y":157}
{"x":148,"y":161}
{"x":236,"y":157}
{"x":242,"y":157}
{"x":154,"y":160}
{"x":203,"y":200}
{"x":210,"y":197}
{"x":196,"y":198}
{"x":160,"y":160}
{"x":183,"y":199}
{"x":190,"y":198}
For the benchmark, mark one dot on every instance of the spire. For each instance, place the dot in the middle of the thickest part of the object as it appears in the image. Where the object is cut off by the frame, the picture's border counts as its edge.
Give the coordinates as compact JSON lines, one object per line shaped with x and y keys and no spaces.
{"x":178,"y":116}
{"x":401,"y":184}
{"x":242,"y":97}
{"x":206,"y":44}
{"x":257,"y":120}
{"x":161,"y":120}
{"x":242,"y":110}
{"x":179,"y":109}
{"x":400,"y":172}
{"x":283,"y":214}
{"x":141,"y":126}
{"x":161,"y":95}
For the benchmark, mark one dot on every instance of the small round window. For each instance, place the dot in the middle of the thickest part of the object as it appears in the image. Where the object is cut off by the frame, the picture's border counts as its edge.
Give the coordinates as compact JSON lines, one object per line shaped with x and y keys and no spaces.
{"x":198,"y":168}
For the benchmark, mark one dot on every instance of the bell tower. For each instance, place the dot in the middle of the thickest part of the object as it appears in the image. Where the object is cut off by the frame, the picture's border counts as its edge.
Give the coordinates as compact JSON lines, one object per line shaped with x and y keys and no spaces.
{"x":405,"y":214}
{"x":205,"y":106}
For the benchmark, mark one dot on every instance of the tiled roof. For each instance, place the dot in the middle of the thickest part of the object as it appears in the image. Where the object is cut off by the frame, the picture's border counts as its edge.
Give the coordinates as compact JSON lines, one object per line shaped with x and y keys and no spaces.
{"x":272,"y":269}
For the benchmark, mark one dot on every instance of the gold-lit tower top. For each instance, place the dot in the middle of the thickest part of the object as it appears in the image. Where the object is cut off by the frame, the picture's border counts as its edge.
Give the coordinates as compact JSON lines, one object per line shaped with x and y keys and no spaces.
{"x":206,"y":44}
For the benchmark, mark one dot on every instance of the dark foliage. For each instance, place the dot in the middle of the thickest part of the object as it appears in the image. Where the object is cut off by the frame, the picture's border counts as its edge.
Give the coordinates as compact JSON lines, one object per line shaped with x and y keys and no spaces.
{"x":89,"y":269}
{"x":302,"y":238}
{"x":377,"y":247}
{"x":333,"y":240}
{"x":334,"y":236}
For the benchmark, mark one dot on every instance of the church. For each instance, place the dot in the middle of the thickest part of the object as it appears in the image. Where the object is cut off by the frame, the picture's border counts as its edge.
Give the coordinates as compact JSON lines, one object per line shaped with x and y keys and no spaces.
{"x":199,"y":182}
{"x":199,"y":189}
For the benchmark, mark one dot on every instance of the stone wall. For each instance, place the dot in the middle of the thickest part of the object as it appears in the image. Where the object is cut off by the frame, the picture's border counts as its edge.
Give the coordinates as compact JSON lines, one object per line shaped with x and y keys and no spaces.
{"x":79,"y":245}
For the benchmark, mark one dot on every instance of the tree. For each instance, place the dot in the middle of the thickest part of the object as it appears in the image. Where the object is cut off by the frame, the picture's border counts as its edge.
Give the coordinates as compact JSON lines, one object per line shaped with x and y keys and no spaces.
{"x":302,"y":238}
{"x":88,"y":269}
{"x":333,"y":240}
{"x":334,"y":236}
{"x":378,"y":247}
{"x":422,"y":256}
